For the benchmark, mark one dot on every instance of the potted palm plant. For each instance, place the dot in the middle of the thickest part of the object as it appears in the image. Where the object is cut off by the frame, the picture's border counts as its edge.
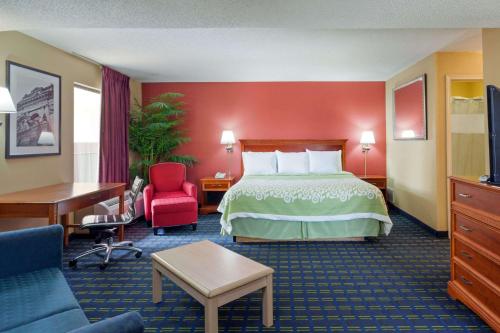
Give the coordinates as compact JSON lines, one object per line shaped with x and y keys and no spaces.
{"x":154,"y":134}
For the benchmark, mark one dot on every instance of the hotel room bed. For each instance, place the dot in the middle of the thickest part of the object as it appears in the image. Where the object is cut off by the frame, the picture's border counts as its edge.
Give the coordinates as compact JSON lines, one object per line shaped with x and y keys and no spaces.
{"x":308,"y":206}
{"x":304,"y":207}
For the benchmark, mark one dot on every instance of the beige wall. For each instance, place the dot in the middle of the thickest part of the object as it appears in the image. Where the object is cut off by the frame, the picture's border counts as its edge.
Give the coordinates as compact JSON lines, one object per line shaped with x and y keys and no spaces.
{"x":491,"y":56}
{"x":24,"y":173}
{"x":416,"y":170}
{"x":411,"y":164}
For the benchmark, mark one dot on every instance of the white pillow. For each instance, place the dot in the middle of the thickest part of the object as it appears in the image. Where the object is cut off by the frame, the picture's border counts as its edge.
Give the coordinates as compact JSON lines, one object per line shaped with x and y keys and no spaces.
{"x":325,"y":161}
{"x":259,"y":163}
{"x":292,"y":163}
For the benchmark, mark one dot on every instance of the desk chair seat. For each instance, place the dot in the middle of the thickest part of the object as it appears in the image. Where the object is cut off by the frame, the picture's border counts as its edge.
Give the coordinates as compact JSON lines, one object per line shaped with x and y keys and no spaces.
{"x":105,"y":226}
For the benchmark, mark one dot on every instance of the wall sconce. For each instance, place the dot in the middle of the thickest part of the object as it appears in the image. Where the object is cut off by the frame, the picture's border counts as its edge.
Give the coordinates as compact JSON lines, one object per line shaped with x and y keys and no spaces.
{"x":6,"y":103}
{"x":367,"y":139}
{"x":227,"y":139}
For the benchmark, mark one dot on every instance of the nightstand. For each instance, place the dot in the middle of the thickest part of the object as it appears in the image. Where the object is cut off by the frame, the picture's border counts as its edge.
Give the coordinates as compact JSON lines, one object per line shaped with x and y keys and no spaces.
{"x":379,"y":181}
{"x":212,"y":190}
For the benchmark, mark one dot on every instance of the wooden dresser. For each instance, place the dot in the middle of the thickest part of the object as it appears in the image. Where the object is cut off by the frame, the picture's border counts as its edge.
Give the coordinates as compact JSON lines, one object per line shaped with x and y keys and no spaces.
{"x":475,"y":248}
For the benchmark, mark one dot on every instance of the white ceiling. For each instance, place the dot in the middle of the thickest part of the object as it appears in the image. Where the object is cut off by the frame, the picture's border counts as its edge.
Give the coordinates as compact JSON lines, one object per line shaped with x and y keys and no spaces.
{"x":259,"y":40}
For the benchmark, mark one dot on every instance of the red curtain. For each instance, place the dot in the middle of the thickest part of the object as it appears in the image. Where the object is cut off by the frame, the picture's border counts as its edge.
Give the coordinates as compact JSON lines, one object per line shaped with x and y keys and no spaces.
{"x":113,"y":154}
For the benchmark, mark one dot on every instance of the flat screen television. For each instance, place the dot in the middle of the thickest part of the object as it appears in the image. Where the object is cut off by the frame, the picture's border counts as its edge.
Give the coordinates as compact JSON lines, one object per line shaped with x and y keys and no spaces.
{"x":493,"y":97}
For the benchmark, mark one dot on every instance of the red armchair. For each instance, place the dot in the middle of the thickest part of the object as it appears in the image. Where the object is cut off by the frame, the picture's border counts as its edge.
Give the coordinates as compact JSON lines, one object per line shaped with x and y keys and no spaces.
{"x":169,"y":200}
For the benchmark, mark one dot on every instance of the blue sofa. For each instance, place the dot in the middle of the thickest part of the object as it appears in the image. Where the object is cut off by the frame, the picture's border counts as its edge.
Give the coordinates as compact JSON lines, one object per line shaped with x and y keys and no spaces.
{"x":34,"y":295}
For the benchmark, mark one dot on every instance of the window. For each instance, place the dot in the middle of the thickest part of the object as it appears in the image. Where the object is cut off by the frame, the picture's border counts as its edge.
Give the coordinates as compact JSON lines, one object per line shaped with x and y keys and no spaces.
{"x":87,"y":120}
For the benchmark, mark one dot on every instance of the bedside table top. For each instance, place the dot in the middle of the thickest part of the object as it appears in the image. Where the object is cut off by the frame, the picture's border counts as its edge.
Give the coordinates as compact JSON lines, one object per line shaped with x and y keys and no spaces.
{"x":213,"y":179}
{"x":372,"y":177}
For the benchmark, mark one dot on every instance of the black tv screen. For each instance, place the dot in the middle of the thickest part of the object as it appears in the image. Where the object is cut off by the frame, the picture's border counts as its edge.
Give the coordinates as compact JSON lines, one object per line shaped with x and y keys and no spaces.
{"x":493,"y":96}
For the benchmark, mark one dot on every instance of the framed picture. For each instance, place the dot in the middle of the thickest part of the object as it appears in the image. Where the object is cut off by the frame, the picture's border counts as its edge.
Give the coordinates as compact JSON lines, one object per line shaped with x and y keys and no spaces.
{"x":35,"y":129}
{"x":410,"y":110}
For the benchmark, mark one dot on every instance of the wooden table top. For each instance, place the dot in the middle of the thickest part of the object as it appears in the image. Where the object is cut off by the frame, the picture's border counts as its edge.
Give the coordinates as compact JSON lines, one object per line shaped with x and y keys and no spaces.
{"x":57,"y":193}
{"x":210,"y":268}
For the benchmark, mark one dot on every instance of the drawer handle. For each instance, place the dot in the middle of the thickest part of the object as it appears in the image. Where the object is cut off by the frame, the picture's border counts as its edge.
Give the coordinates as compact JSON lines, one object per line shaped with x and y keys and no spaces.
{"x":464,"y":228}
{"x":465,"y":281}
{"x":465,"y":195}
{"x":466,"y":255}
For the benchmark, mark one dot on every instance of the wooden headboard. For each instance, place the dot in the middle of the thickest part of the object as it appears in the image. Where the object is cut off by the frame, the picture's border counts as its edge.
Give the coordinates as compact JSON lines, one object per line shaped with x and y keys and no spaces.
{"x":293,"y":146}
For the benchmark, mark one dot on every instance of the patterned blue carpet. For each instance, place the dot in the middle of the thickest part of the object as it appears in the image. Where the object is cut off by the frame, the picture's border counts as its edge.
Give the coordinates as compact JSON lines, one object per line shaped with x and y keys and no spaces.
{"x":395,"y":285}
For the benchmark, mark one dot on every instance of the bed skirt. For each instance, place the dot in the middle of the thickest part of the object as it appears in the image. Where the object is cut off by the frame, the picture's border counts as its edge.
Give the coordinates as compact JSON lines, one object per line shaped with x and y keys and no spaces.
{"x":294,"y":230}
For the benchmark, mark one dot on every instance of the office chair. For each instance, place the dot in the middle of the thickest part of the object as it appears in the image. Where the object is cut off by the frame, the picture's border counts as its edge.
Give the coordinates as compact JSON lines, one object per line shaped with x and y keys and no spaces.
{"x":106,"y":225}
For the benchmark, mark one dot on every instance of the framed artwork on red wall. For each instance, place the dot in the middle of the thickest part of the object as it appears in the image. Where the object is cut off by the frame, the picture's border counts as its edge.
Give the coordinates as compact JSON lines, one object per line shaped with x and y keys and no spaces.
{"x":410,"y":110}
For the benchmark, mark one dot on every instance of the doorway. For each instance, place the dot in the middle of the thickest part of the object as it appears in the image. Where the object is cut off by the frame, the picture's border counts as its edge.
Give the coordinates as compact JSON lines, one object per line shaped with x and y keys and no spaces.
{"x":466,"y":129}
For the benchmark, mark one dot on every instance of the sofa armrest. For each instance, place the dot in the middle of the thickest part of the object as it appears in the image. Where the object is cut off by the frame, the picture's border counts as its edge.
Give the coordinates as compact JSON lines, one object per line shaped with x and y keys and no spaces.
{"x":130,"y":322}
{"x":147,"y":194}
{"x":190,"y":189}
{"x":27,"y":250}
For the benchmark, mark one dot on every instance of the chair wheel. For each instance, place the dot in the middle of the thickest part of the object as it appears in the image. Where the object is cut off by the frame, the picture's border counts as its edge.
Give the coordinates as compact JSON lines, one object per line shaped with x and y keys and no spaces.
{"x":138,"y":254}
{"x":72,"y":263}
{"x":155,"y":231}
{"x":103,"y":266}
{"x":194,"y":226}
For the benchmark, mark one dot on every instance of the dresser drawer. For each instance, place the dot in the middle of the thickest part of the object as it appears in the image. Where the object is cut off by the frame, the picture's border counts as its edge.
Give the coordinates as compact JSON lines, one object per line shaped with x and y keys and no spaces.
{"x":476,"y":197}
{"x":482,"y":265}
{"x":216,"y":186}
{"x":483,"y":293}
{"x":477,"y":232}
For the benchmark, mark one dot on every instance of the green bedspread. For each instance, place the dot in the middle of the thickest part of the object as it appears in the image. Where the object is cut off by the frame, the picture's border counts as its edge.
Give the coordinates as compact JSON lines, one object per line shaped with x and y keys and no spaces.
{"x":305,"y":198}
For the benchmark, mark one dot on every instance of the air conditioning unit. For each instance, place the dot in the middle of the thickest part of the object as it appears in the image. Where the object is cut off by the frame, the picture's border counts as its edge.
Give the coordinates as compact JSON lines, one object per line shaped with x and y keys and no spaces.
{"x":111,"y":206}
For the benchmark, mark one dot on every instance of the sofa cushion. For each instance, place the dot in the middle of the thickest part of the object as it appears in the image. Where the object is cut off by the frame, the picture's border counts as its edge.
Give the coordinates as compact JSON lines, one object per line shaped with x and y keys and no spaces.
{"x":32,"y":296}
{"x":174,"y":205}
{"x":58,"y":323}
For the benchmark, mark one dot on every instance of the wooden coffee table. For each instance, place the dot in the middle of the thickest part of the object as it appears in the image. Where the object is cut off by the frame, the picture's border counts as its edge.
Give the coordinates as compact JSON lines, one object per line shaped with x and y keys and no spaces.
{"x":214,"y":276}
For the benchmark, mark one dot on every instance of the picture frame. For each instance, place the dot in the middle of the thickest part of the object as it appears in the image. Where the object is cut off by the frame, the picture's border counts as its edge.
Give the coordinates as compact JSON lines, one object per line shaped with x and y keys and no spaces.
{"x":35,"y":129}
{"x":409,"y":116}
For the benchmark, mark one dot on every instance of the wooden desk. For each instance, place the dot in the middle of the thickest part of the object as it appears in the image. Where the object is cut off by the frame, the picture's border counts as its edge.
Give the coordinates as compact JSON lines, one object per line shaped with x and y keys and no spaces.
{"x":60,"y":199}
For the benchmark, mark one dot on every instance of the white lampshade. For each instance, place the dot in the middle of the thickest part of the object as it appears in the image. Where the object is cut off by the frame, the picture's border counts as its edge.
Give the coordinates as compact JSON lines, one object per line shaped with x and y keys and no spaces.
{"x":407,"y":134}
{"x":46,"y":139}
{"x":227,"y":138}
{"x":6,"y":103}
{"x":367,"y":138}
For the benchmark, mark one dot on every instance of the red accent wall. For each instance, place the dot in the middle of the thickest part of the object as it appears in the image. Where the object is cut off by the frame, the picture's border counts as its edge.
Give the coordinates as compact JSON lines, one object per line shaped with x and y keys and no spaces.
{"x":278,"y":110}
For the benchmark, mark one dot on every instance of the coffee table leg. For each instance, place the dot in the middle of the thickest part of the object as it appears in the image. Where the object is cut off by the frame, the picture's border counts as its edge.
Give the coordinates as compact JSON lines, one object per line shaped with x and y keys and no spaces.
{"x":211,"y":317}
{"x":157,"y":293}
{"x":267,"y":303}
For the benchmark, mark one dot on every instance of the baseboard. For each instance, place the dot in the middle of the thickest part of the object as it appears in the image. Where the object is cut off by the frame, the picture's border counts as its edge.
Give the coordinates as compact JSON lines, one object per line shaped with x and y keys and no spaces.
{"x":436,"y":233}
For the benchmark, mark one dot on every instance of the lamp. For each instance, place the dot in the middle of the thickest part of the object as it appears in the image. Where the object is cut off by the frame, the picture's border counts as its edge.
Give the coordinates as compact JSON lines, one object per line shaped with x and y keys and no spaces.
{"x":6,"y":103}
{"x":227,"y":139}
{"x":46,"y":139}
{"x":367,"y":139}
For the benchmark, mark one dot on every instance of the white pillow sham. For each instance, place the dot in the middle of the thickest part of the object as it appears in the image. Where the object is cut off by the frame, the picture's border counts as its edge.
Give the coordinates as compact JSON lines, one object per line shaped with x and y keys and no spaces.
{"x":292,"y":163}
{"x":259,"y":163}
{"x":325,"y":161}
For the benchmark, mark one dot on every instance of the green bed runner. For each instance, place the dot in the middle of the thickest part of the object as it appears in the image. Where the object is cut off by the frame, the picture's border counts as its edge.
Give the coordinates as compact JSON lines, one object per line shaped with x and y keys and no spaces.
{"x":304,"y":198}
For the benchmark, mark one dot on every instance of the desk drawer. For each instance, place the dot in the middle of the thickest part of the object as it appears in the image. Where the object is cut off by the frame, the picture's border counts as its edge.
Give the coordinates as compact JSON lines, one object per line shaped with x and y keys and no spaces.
{"x":477,"y":261}
{"x":476,"y":197}
{"x":477,"y":232}
{"x":483,"y":293}
{"x":215,"y":186}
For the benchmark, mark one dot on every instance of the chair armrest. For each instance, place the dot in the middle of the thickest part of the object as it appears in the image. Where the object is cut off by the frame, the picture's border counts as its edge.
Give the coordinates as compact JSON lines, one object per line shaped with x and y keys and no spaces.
{"x":147,"y":194}
{"x":130,"y":322}
{"x":190,"y":189}
{"x":27,"y":250}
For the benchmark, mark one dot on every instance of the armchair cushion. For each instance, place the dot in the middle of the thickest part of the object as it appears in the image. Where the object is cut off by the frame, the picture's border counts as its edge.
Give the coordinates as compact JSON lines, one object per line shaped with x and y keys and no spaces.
{"x":30,"y":297}
{"x":58,"y":323}
{"x":29,"y":250}
{"x":167,"y":176}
